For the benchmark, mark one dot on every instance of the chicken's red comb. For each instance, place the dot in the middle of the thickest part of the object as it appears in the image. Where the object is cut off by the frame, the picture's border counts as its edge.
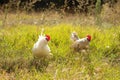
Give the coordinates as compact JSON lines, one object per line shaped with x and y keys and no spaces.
{"x":89,"y":37}
{"x":47,"y":37}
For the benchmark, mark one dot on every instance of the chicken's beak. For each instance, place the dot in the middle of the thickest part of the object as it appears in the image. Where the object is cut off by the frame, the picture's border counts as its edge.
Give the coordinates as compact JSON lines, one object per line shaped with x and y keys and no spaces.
{"x":47,"y":39}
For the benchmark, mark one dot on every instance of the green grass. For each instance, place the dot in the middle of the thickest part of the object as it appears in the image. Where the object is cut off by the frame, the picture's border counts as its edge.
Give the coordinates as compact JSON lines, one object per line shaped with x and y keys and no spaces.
{"x":100,"y":63}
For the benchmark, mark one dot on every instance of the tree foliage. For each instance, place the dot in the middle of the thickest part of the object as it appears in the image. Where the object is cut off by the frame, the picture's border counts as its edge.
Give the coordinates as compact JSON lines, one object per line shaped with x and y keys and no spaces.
{"x":67,"y":5}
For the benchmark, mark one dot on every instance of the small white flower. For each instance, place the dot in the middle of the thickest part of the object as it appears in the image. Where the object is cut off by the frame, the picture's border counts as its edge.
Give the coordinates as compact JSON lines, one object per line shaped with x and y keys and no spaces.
{"x":35,"y":22}
{"x":107,"y":46}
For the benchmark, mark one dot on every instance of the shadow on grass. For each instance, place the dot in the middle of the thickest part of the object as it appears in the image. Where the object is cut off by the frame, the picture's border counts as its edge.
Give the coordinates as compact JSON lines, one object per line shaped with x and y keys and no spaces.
{"x":11,"y":65}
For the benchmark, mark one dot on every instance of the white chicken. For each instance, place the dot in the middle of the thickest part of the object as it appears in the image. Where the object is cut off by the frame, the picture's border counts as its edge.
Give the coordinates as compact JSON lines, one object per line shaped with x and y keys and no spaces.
{"x":41,"y":48}
{"x":80,"y":44}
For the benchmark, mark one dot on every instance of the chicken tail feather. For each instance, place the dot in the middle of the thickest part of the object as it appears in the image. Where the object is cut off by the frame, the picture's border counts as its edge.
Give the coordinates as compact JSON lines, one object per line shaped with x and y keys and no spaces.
{"x":74,"y":36}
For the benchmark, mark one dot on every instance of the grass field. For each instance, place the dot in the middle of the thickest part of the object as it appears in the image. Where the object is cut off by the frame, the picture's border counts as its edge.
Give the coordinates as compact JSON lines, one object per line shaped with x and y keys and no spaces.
{"x":102,"y":62}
